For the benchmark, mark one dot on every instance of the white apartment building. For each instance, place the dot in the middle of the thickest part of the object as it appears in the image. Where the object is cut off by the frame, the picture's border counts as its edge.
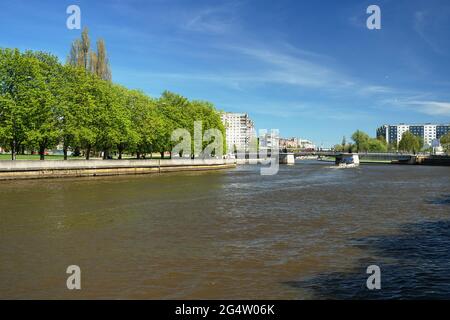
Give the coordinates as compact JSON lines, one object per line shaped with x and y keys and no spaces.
{"x":428,"y":132}
{"x":239,"y":130}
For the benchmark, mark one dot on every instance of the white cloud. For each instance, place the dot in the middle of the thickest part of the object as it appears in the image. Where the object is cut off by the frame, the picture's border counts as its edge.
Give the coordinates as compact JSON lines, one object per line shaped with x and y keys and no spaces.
{"x":215,"y":20}
{"x":285,"y":68}
{"x":426,"y":24}
{"x":434,"y":108}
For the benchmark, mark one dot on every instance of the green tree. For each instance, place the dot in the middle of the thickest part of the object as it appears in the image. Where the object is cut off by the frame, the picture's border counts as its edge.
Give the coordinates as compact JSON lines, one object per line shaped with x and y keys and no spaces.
{"x":445,"y":142}
{"x":15,"y":87}
{"x":364,"y":143}
{"x":174,"y":111}
{"x":377,"y":145}
{"x":80,"y":51}
{"x":100,"y":62}
{"x":410,"y":143}
{"x":30,"y":85}
{"x":75,"y":110}
{"x":393,"y":146}
{"x":128,"y":137}
{"x":204,"y":111}
{"x":46,"y":77}
{"x":82,"y":56}
{"x":146,"y":122}
{"x":107,"y":116}
{"x":361,"y":140}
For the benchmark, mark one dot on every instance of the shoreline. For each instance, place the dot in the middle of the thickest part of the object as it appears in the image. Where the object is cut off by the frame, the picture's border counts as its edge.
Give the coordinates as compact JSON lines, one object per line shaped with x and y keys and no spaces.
{"x":25,"y":169}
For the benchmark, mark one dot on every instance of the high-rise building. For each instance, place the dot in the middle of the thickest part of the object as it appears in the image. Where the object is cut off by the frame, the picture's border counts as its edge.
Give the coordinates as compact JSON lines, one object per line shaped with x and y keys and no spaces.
{"x":239,"y":130}
{"x":428,"y":132}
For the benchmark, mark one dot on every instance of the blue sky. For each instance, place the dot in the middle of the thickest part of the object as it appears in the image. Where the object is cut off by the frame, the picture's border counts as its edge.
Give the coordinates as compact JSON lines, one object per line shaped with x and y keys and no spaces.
{"x":308,"y":68}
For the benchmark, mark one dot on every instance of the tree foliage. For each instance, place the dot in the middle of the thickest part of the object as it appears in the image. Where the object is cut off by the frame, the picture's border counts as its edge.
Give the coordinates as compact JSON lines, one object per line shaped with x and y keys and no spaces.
{"x":410,"y":143}
{"x":82,"y":56}
{"x":44,"y":104}
{"x":364,"y":143}
{"x":445,"y":142}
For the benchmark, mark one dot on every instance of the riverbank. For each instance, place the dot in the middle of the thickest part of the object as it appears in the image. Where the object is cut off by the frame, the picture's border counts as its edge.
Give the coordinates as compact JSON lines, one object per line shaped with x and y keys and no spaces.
{"x":24,"y":169}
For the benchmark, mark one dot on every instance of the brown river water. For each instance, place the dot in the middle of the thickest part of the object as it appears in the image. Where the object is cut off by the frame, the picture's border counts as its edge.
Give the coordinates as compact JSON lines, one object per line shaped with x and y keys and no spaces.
{"x":308,"y":232}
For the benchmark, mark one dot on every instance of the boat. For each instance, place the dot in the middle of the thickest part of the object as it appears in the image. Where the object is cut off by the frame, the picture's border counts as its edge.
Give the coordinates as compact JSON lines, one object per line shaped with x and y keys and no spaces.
{"x":349,"y":160}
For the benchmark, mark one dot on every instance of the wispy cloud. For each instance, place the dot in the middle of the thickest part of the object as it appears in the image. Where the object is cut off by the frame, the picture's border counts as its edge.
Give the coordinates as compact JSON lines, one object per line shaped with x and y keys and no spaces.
{"x":433,"y":108}
{"x":285,"y":68}
{"x":214,"y":20}
{"x":421,"y":103}
{"x":427,"y":25}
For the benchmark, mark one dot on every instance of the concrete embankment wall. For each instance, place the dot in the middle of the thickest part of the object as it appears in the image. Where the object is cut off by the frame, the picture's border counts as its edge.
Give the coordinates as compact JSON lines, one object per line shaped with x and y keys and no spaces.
{"x":434,"y":161}
{"x":30,"y":169}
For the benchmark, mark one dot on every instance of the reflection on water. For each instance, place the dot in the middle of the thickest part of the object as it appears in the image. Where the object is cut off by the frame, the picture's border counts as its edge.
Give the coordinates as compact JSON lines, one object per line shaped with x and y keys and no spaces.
{"x":308,"y":232}
{"x":415,"y":265}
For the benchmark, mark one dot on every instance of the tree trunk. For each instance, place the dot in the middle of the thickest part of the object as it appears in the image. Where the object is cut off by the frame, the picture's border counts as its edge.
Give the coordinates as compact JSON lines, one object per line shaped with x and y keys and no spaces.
{"x":120,"y":152}
{"x":162,"y":154}
{"x":65,"y":152}
{"x":77,"y":152}
{"x":138,"y":155}
{"x":105,"y":155}
{"x":41,"y":152}
{"x":88,"y":152}
{"x":13,"y":150}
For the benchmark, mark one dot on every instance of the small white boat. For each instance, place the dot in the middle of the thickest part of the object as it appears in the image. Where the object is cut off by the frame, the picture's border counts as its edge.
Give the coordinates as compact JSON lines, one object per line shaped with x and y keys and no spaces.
{"x":347,"y":160}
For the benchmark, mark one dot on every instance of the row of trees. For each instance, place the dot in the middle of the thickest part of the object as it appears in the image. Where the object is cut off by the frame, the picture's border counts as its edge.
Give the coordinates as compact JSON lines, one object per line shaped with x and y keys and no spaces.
{"x":44,"y":104}
{"x":362,"y":142}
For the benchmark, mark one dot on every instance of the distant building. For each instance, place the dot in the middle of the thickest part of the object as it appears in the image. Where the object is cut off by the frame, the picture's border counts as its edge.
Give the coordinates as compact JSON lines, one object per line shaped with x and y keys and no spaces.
{"x":306,"y":144}
{"x":296,"y":143}
{"x":428,"y":132}
{"x":289,"y":143}
{"x":239,"y":130}
{"x":269,"y":141}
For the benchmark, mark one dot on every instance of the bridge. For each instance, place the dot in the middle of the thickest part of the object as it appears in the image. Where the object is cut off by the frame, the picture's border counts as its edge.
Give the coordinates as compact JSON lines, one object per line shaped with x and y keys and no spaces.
{"x":389,"y":157}
{"x":373,"y":156}
{"x":393,"y":157}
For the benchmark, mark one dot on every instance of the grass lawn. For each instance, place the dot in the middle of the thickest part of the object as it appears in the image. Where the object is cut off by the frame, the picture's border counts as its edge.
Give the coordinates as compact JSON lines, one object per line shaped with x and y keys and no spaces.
{"x":61,"y":157}
{"x":36,"y":157}
{"x":375,"y":161}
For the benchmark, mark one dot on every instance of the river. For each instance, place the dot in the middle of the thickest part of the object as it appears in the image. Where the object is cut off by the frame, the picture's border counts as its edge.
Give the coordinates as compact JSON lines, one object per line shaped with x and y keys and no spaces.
{"x":308,"y":232}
